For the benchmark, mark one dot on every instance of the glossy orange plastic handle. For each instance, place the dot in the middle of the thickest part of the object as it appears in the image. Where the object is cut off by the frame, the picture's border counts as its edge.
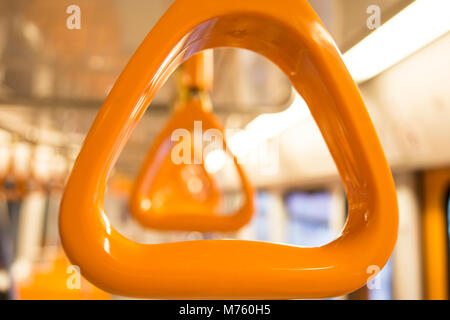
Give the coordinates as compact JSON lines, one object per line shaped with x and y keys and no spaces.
{"x":161,"y":198}
{"x":290,"y":34}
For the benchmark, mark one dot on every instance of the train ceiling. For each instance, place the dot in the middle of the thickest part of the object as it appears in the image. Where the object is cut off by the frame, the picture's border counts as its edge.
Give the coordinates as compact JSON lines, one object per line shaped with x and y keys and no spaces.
{"x":55,"y":82}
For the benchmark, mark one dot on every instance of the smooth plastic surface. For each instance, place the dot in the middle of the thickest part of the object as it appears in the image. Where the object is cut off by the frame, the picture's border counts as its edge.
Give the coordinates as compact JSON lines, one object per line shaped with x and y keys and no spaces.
{"x":436,"y":185}
{"x":290,"y":34}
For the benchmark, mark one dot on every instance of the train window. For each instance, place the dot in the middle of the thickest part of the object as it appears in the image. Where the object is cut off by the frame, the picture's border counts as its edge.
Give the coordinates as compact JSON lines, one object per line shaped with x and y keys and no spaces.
{"x":309,"y":217}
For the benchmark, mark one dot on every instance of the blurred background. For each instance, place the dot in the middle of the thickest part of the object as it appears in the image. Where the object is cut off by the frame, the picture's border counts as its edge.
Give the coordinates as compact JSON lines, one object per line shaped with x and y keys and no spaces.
{"x":53,"y":81}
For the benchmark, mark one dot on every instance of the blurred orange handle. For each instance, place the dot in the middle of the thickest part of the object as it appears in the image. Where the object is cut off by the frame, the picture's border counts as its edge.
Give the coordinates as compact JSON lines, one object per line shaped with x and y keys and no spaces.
{"x":198,"y":71}
{"x":159,"y":175}
{"x":160,"y":198}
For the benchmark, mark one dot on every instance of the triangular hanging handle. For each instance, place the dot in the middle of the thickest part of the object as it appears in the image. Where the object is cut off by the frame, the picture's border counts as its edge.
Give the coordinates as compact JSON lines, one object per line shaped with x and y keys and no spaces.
{"x":290,"y":34}
{"x":158,"y":182}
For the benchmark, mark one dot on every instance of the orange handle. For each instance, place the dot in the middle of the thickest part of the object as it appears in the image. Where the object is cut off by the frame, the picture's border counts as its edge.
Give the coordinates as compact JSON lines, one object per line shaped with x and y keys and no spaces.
{"x":161,"y":198}
{"x":290,"y":34}
{"x":436,"y":185}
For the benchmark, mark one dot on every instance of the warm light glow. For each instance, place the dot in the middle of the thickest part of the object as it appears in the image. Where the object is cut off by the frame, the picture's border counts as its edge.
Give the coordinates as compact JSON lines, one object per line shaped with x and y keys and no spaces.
{"x":194,"y":185}
{"x":42,"y":165}
{"x":413,"y":28}
{"x":5,"y":151}
{"x":215,"y":160}
{"x":262,"y":128}
{"x":21,"y":156}
{"x":5,"y":281}
{"x":58,"y":166}
{"x":146,"y":204}
{"x":267,"y":126}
